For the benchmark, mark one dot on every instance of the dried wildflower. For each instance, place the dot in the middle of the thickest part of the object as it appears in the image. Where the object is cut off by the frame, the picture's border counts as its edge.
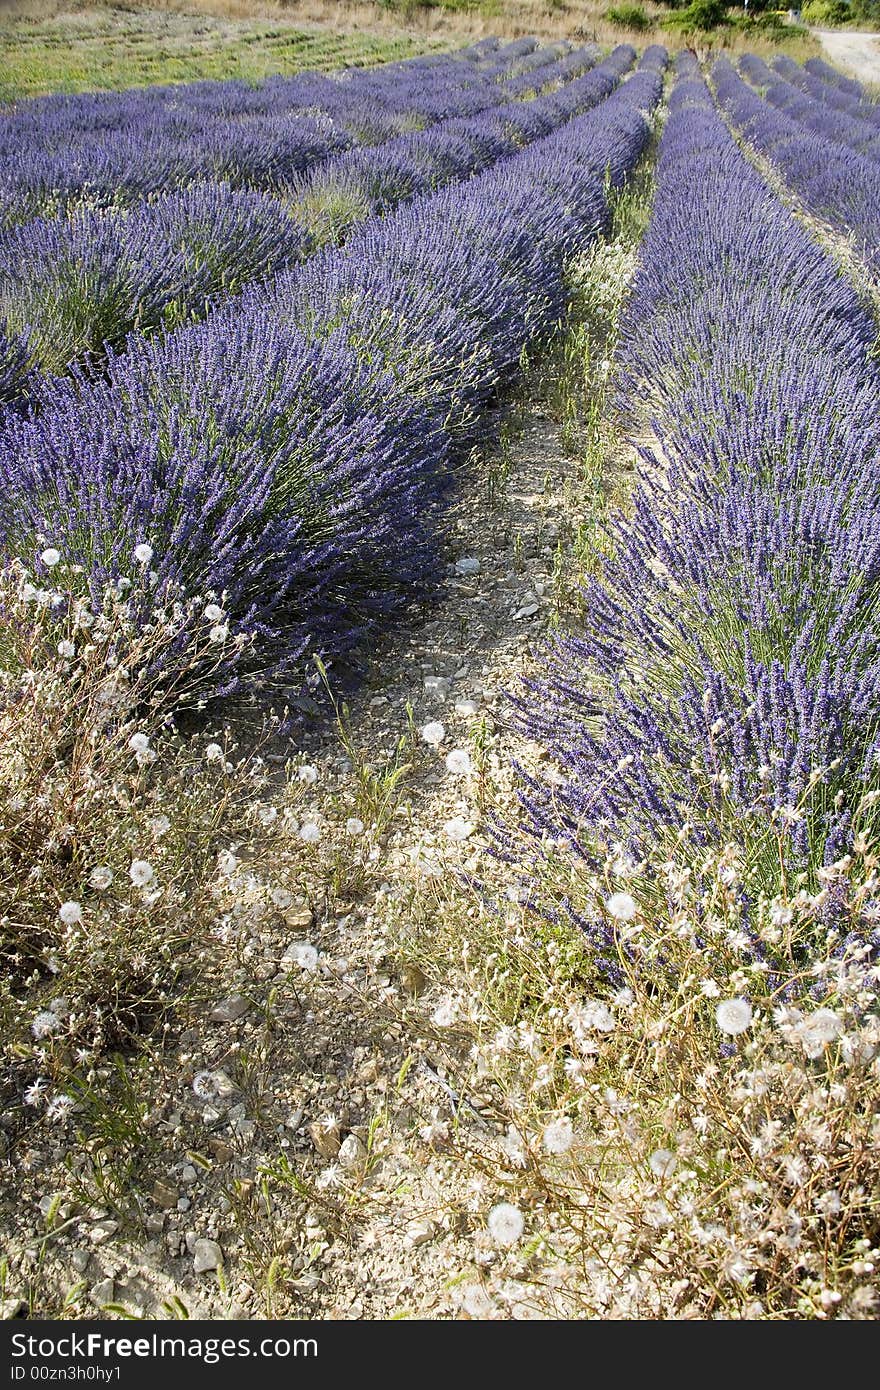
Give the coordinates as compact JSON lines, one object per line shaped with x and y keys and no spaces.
{"x":622,"y":907}
{"x":558,"y":1136}
{"x":141,"y":873}
{"x":733,"y":1016}
{"x":59,"y":1108}
{"x":506,"y":1224}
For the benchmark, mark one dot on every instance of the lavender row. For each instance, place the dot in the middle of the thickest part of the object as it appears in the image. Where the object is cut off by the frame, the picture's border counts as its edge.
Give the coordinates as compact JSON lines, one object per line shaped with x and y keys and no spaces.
{"x":834,"y":182}
{"x":826,"y":92}
{"x":833,"y":78}
{"x":72,"y":288}
{"x":731,"y":667}
{"x":813,"y":115}
{"x":157,"y":139}
{"x":290,"y":457}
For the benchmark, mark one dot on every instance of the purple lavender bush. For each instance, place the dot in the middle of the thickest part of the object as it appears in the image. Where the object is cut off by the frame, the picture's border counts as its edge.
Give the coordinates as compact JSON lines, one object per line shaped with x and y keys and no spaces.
{"x":729,"y":674}
{"x":834,"y":182}
{"x":289,"y":458}
{"x":77,"y":285}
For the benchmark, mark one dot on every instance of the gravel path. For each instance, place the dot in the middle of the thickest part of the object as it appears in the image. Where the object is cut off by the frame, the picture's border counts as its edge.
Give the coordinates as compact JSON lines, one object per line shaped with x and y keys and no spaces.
{"x":858,"y":54}
{"x":353,"y":1075}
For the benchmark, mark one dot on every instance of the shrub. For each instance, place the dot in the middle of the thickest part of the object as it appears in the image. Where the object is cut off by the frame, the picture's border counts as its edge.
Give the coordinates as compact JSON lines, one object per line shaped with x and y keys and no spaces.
{"x":702,"y":15}
{"x":628,"y":17}
{"x":826,"y":12}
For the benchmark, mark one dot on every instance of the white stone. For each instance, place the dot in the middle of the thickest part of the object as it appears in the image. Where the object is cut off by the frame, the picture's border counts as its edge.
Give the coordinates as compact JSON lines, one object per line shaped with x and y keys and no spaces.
{"x":228,"y":1010}
{"x":207,"y":1255}
{"x":466,"y":708}
{"x":352,"y":1154}
{"x":102,"y":1293}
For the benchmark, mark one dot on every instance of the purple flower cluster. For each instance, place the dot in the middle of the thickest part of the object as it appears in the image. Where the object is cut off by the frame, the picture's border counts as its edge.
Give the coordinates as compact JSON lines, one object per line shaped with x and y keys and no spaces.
{"x":112,"y":148}
{"x":290,"y":455}
{"x":833,"y":78}
{"x":814,"y":115}
{"x":834,"y":182}
{"x":72,"y":287}
{"x":731,"y":663}
{"x":832,"y":95}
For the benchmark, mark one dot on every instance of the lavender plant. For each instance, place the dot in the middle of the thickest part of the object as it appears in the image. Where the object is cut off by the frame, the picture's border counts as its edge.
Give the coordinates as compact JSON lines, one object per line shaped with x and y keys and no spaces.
{"x":727,"y":679}
{"x":77,"y":285}
{"x":835,"y":182}
{"x":290,"y":456}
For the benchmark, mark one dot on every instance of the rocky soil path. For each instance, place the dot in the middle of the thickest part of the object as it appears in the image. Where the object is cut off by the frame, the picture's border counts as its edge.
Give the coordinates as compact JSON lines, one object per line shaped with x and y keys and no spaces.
{"x":294,"y":1159}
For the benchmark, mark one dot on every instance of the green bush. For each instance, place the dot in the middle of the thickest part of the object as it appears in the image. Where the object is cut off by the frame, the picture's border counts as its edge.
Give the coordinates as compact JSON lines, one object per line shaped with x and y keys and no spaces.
{"x":826,"y":12}
{"x":700,"y":14}
{"x":628,"y":17}
{"x":866,"y":12}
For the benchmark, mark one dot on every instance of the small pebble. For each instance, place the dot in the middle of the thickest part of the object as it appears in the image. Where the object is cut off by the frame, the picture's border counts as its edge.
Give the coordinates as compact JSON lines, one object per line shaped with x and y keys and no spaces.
{"x":228,"y":1010}
{"x":207,"y":1255}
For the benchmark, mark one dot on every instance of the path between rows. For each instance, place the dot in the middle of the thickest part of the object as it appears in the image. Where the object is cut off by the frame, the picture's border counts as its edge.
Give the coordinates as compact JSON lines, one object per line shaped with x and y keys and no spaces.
{"x":355,"y":1042}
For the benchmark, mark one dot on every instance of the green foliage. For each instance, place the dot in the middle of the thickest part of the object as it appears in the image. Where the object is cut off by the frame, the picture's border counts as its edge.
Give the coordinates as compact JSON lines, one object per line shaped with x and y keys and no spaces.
{"x":628,"y":17}
{"x":866,"y":12}
{"x":767,"y":24}
{"x":700,"y":15}
{"x":826,"y":12}
{"x":127,"y":47}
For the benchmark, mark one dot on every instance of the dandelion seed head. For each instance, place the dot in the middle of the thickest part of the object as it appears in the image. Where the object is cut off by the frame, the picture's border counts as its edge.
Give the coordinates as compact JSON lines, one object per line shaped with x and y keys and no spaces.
{"x":458,"y":829}
{"x":143,"y":553}
{"x":70,"y":914}
{"x":458,"y":762}
{"x":141,"y":873}
{"x":51,"y":557}
{"x":45,"y":1023}
{"x":310,"y":832}
{"x":733,"y":1016}
{"x":354,"y":826}
{"x":622,"y":907}
{"x":433,"y":733}
{"x":663,"y":1163}
{"x":506,"y":1224}
{"x":213,"y":612}
{"x":203,"y":1085}
{"x":558,"y":1136}
{"x":445,"y":1013}
{"x":303,"y":953}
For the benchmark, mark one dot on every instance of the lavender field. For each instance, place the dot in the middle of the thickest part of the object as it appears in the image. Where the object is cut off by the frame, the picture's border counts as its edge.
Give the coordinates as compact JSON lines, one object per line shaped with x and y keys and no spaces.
{"x":440,"y":692}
